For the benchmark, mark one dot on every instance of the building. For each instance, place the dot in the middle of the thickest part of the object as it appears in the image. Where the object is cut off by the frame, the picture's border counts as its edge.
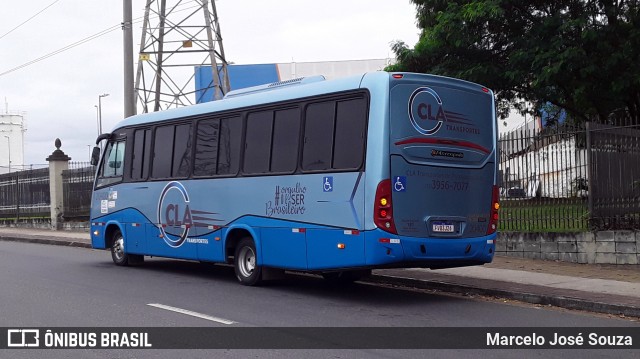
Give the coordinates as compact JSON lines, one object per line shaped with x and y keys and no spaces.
{"x":535,"y":163}
{"x":243,"y":76}
{"x":12,"y":128}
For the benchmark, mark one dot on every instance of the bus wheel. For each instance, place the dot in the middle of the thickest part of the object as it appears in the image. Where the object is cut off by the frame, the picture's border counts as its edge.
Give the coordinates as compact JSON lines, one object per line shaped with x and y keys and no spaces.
{"x":119,"y":256}
{"x":247,"y":270}
{"x":346,"y":276}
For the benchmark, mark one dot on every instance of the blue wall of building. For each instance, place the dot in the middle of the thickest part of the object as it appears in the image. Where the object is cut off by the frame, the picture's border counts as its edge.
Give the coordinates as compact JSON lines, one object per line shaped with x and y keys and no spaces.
{"x":240,"y":76}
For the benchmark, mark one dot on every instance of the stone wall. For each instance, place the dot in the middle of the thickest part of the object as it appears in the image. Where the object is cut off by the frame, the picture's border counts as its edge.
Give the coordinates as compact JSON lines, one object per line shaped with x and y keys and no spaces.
{"x":37,"y":223}
{"x":45,"y":223}
{"x":605,"y":247}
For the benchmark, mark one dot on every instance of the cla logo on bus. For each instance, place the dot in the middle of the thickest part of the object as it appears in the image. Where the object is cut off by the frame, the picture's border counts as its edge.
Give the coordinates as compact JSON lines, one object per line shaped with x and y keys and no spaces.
{"x":174,"y":214}
{"x":425,"y":111}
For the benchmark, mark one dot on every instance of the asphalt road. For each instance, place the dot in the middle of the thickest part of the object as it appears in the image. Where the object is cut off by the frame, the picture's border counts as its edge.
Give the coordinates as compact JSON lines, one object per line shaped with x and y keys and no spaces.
{"x":74,"y":287}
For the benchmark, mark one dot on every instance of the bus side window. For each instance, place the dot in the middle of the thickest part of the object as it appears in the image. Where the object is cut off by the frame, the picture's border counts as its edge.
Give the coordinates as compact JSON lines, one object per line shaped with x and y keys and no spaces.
{"x":182,"y":151}
{"x":162,"y":152}
{"x":286,"y":137}
{"x":141,"y":154}
{"x":257,"y":153}
{"x":207,"y":136}
{"x":351,"y":121}
{"x":230,"y":145}
{"x":318,"y":136}
{"x":217,"y":147}
{"x":112,"y":167}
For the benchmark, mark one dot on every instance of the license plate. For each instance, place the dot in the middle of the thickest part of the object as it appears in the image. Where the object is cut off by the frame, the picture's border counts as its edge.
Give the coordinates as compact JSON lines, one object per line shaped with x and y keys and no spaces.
{"x":443,"y":228}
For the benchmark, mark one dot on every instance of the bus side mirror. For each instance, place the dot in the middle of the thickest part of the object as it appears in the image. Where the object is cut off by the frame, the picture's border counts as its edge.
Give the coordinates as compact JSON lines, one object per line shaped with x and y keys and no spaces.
{"x":95,"y":156}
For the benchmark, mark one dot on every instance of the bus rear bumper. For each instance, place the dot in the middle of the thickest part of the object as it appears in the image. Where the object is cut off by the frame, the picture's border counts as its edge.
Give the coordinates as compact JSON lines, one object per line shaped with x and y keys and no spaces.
{"x":387,"y":250}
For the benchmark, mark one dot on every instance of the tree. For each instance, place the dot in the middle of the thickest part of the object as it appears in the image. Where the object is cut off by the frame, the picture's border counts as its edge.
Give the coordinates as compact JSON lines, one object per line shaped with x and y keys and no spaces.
{"x":580,"y":55}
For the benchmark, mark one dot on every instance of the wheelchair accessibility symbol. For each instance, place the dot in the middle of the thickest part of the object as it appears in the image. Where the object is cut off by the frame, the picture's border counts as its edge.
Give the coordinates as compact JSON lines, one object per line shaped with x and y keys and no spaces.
{"x":327,"y":184}
{"x":400,"y":184}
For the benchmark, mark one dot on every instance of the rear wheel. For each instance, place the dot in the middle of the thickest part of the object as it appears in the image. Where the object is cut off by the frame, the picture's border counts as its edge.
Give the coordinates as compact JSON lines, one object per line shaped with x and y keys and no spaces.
{"x":247,"y":270}
{"x":118,"y":254}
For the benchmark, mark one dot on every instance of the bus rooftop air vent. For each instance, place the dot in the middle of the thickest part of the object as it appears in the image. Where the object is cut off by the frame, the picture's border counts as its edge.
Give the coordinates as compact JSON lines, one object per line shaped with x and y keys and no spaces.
{"x":274,"y":86}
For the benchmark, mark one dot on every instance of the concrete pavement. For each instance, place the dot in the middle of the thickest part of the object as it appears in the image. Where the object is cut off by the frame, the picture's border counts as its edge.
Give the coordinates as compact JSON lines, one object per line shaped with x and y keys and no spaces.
{"x":611,"y":289}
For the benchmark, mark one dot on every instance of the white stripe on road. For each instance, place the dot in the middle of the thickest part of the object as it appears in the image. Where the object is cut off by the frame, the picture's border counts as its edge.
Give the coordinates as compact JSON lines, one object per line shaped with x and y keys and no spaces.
{"x":193,"y":314}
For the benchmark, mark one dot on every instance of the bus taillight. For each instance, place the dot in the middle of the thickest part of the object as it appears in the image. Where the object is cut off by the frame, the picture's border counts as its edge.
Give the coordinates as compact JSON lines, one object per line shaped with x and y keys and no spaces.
{"x":383,"y":212}
{"x":495,"y":206}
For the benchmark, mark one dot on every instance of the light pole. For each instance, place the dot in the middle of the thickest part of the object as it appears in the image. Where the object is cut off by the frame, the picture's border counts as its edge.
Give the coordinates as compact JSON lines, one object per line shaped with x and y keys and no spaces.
{"x":97,"y":120}
{"x":9,"y":144}
{"x":100,"y":112}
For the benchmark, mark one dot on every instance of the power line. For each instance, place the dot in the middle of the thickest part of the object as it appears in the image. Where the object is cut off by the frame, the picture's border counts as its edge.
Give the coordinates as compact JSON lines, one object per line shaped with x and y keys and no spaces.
{"x":68,"y":47}
{"x":80,"y":42}
{"x":29,"y":19}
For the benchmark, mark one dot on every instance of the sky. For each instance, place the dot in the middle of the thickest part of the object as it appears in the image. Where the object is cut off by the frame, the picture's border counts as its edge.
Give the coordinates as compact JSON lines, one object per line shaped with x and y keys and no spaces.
{"x":58,"y":95}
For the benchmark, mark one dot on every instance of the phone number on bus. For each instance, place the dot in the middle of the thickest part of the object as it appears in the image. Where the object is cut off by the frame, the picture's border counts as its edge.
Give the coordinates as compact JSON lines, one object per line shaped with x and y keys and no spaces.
{"x":449,"y":185}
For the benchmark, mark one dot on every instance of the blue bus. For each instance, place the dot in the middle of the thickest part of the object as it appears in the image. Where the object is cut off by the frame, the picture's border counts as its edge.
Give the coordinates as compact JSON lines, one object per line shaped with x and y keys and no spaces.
{"x":382,"y":170}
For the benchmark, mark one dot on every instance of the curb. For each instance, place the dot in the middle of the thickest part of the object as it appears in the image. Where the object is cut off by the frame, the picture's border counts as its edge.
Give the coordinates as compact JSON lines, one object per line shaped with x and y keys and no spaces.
{"x":40,"y":240}
{"x":527,"y":297}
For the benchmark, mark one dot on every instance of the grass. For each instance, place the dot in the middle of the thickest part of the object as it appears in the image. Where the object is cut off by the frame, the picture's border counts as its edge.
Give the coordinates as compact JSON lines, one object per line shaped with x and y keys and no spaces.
{"x":544,"y":215}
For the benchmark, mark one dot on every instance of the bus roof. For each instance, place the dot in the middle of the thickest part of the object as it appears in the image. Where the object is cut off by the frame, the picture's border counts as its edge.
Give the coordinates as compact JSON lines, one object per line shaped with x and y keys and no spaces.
{"x":300,"y":89}
{"x":259,"y":98}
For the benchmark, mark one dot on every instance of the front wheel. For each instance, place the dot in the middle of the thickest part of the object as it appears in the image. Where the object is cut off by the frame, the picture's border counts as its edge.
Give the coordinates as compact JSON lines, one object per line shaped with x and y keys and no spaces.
{"x":118,"y":254}
{"x":247,"y":270}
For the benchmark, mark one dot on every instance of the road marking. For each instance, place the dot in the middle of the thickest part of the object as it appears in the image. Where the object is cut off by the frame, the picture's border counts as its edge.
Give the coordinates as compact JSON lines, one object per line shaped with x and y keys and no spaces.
{"x":193,"y":314}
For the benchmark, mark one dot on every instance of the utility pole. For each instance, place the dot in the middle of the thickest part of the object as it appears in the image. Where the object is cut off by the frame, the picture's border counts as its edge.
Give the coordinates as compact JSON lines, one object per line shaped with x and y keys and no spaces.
{"x":178,"y":37}
{"x":127,"y":40}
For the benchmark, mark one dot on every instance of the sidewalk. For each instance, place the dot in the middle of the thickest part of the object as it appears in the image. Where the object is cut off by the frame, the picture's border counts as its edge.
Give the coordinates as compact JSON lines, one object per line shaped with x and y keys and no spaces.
{"x":611,"y":289}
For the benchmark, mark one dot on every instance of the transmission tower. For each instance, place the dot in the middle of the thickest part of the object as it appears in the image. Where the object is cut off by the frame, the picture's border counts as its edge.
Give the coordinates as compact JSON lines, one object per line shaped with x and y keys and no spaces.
{"x":177,"y":36}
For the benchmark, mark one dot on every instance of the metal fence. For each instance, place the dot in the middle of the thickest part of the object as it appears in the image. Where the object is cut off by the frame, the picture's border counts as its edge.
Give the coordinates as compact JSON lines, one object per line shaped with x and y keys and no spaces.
{"x":570,"y":178}
{"x":614,"y":173}
{"x":556,"y":179}
{"x":77,"y":183}
{"x":25,"y":194}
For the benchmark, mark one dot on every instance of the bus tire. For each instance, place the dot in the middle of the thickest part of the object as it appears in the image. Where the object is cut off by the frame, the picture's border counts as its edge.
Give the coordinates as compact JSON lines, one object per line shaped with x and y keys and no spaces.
{"x":118,"y":254}
{"x":245,"y":264}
